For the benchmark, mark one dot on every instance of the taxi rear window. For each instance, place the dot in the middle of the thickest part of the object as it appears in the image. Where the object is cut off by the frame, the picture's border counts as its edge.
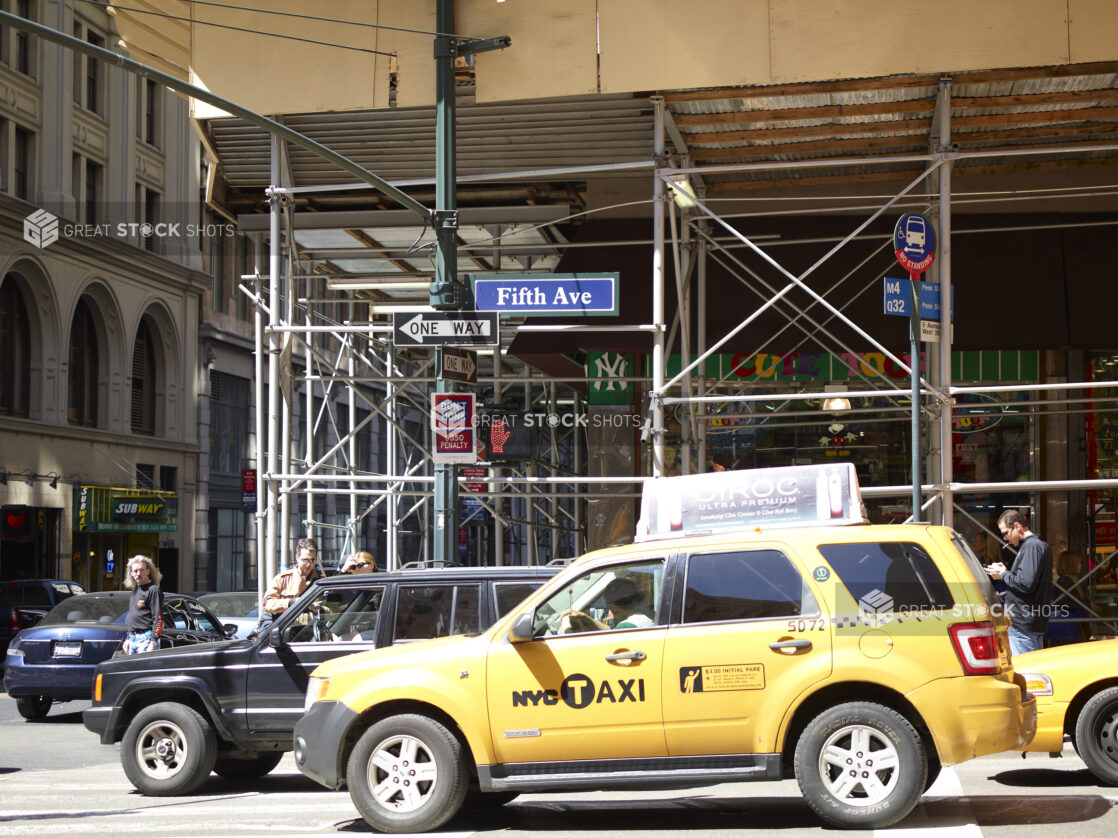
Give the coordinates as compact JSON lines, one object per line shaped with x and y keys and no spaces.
{"x":901,"y":569}
{"x":744,"y":585}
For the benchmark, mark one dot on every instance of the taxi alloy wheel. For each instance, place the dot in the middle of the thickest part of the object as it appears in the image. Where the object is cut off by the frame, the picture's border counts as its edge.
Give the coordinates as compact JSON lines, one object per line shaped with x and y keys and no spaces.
{"x":169,"y":749}
{"x":407,"y":774}
{"x":1096,"y":734}
{"x":861,"y":765}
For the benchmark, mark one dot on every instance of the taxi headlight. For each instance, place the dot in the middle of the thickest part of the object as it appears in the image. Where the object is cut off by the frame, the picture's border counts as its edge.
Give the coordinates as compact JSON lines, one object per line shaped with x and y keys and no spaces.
{"x":316,"y":690}
{"x":1037,"y":683}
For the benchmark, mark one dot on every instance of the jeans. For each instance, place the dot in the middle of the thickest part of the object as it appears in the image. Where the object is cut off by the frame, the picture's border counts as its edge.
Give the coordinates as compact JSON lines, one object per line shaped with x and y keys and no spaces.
{"x":1024,"y":641}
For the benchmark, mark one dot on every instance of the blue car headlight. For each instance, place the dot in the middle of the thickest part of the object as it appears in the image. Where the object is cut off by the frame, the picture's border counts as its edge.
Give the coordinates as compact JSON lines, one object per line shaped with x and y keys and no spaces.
{"x":13,"y":649}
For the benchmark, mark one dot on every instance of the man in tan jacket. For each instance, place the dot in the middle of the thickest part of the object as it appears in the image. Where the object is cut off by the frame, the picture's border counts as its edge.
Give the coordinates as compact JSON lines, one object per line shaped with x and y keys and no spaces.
{"x":288,"y":585}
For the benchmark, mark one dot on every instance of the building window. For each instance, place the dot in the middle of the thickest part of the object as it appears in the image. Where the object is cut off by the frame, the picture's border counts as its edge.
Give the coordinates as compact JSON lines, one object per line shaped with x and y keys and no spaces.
{"x":84,"y":368}
{"x":168,"y":478}
{"x":147,"y":213}
{"x":24,"y":45}
{"x":21,"y":164}
{"x":230,"y":420}
{"x":217,"y":269}
{"x":143,"y":381}
{"x":149,"y":111}
{"x":145,"y":476}
{"x":15,"y":351}
{"x":88,"y":86}
{"x":94,"y":177}
{"x":93,"y":76}
{"x":88,"y":179}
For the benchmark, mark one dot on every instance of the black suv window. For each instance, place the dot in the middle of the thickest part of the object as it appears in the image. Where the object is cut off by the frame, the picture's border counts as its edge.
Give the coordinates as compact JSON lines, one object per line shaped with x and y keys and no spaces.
{"x":424,"y":611}
{"x":899,"y":569}
{"x":744,"y":585}
{"x":511,"y":594}
{"x":337,"y":614}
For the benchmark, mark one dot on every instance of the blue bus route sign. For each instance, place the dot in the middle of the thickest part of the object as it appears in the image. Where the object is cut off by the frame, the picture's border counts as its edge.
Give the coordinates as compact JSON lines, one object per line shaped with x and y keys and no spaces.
{"x":898,"y":298}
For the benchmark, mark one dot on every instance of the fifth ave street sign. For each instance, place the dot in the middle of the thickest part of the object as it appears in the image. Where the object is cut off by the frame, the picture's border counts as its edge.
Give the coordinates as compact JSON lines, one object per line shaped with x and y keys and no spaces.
{"x":437,"y":328}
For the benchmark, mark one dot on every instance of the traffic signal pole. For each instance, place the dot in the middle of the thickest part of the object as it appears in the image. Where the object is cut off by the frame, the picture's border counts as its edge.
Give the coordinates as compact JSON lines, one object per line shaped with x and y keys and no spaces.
{"x":446,"y":291}
{"x":446,"y":254}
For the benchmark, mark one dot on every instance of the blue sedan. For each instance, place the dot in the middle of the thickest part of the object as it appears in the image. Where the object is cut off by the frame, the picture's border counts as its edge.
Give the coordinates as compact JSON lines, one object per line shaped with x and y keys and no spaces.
{"x":55,"y":660}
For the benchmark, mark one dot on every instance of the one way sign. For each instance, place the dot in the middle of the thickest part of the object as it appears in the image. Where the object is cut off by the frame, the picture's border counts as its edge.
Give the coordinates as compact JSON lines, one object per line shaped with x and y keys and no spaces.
{"x":458,"y":328}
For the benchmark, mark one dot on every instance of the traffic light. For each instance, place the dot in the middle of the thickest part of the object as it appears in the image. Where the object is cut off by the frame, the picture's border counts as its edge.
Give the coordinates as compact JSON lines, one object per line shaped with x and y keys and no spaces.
{"x":447,"y":296}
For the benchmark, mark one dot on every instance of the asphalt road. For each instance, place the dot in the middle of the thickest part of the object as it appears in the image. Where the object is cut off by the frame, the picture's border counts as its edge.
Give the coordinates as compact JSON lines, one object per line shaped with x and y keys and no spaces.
{"x":56,"y":779}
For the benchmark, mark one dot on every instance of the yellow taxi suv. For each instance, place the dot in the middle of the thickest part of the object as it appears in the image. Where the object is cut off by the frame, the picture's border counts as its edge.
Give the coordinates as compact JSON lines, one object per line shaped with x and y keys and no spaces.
{"x":756,"y":629}
{"x":1076,"y":690}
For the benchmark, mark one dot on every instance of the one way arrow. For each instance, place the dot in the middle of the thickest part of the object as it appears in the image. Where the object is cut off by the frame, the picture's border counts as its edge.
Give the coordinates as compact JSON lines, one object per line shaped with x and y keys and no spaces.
{"x":439,"y":328}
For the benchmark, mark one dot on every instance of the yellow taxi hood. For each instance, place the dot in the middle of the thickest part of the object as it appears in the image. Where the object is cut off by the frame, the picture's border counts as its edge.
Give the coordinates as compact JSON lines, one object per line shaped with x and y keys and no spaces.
{"x":391,"y":657}
{"x":1098,"y":654}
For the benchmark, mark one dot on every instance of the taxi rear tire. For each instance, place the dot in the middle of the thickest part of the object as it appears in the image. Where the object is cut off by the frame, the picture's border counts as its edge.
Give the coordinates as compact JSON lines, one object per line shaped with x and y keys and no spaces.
{"x":1096,"y":735}
{"x":168,"y":749}
{"x":861,"y":766}
{"x":407,"y":773}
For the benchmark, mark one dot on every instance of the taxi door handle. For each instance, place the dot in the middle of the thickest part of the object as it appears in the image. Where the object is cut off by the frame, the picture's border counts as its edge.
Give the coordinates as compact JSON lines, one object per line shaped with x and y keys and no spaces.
{"x":790,"y":644}
{"x":626,"y":656}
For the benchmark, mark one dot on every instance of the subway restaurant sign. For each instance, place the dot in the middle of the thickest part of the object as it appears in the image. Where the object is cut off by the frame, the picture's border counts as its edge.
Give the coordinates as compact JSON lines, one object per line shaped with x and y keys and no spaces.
{"x":103,"y":509}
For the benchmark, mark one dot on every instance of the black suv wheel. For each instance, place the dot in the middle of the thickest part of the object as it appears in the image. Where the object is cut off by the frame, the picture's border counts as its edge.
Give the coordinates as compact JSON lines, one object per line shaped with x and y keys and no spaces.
{"x":407,"y":774}
{"x":168,"y":749}
{"x":861,"y":766}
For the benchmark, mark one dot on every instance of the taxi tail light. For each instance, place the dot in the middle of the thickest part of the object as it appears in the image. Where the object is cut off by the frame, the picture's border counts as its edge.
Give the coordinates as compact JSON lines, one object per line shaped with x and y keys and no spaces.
{"x":976,"y":644}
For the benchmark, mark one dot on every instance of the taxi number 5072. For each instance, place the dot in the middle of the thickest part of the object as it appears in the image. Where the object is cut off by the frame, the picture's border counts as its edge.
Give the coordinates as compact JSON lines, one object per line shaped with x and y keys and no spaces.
{"x":807,"y":625}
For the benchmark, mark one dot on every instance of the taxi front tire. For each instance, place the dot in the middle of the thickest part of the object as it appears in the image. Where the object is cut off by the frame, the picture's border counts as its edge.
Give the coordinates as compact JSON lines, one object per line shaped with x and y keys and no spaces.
{"x":861,"y":765}
{"x":407,"y":773}
{"x":1096,"y":735}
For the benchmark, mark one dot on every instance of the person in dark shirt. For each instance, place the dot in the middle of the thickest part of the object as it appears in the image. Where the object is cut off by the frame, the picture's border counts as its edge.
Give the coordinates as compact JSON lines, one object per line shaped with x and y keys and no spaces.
{"x":145,"y":606}
{"x":1028,"y":584}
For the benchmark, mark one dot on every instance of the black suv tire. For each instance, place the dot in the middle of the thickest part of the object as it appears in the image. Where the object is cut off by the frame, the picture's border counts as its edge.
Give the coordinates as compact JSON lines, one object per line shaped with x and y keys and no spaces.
{"x":423,"y":758}
{"x":34,"y":708}
{"x":1096,"y":735}
{"x":861,"y":766}
{"x":169,"y":749}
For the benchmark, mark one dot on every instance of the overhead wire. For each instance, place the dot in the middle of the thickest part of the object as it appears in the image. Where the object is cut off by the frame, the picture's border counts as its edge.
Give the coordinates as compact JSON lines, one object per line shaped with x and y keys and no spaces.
{"x":246,"y":30}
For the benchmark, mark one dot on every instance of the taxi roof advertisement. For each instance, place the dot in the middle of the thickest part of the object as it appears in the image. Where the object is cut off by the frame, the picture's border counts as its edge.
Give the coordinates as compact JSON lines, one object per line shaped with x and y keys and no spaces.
{"x":820,"y":495}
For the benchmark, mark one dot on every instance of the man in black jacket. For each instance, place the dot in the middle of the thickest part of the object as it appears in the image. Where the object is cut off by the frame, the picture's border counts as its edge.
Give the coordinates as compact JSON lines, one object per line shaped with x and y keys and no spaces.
{"x":1028,"y":583}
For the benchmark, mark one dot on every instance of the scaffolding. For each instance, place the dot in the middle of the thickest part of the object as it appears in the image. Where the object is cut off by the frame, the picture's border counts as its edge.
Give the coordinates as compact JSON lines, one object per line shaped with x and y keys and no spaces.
{"x":539,"y":506}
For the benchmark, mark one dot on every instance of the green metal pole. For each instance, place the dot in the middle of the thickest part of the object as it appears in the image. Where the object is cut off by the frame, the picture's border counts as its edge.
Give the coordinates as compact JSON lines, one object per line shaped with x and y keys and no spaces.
{"x":446,"y":255}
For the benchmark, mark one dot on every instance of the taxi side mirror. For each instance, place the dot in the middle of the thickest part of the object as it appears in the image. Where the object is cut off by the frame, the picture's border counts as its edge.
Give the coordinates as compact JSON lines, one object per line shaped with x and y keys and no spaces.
{"x":521,"y":629}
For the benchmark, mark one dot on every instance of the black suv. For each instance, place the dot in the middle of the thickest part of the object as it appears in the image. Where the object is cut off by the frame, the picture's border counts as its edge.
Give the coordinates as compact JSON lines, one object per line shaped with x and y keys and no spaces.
{"x":231,"y":706}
